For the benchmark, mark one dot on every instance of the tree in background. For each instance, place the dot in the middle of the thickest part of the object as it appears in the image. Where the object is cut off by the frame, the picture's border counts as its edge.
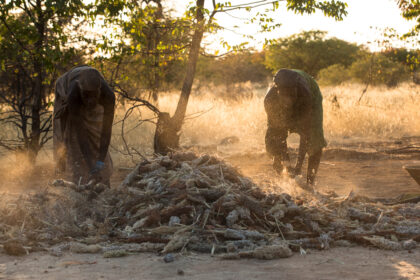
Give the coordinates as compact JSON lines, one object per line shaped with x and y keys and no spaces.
{"x":333,"y":75}
{"x":37,"y":38}
{"x":369,"y":69}
{"x":201,"y":20}
{"x":168,"y":128}
{"x":148,"y":54}
{"x":232,"y":70}
{"x":409,"y":58}
{"x":377,"y":70}
{"x":310,"y":51}
{"x":411,"y":11}
{"x":44,"y":35}
{"x":149,"y":51}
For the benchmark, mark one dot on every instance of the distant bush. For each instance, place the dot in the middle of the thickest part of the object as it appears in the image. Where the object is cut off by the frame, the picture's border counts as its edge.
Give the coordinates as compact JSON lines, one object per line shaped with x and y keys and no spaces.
{"x":311,"y":52}
{"x":333,"y":75}
{"x":375,"y":70}
{"x":234,"y":72}
{"x":378,"y":69}
{"x":232,"y":69}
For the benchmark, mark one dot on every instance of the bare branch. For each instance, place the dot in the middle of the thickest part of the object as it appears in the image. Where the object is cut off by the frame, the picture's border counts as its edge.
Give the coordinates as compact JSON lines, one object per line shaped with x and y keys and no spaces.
{"x":127,"y":114}
{"x":197,"y":114}
{"x":146,"y":103}
{"x":28,"y":11}
{"x":249,"y":5}
{"x":215,"y":56}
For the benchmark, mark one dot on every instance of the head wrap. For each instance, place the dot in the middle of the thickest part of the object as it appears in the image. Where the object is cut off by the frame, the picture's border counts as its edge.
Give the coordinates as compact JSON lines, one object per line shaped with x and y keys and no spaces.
{"x":286,"y":78}
{"x":89,"y":80}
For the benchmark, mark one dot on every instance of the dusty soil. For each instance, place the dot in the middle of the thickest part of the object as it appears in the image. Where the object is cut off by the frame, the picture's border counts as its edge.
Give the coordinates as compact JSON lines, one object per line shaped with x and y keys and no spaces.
{"x":373,"y":169}
{"x":362,"y":167}
{"x":338,"y":263}
{"x":368,"y":177}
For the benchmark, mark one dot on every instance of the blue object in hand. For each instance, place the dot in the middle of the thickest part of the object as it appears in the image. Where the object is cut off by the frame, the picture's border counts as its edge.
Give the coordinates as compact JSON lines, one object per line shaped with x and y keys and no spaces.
{"x":99,"y":165}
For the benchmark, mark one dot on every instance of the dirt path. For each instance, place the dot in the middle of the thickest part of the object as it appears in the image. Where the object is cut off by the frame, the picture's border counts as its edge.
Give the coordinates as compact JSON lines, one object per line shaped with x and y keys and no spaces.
{"x":373,"y":178}
{"x":339,"y":263}
{"x":358,"y":166}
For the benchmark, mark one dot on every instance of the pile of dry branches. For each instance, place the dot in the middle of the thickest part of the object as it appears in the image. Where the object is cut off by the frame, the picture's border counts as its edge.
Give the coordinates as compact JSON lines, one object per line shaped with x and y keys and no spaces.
{"x":183,"y":202}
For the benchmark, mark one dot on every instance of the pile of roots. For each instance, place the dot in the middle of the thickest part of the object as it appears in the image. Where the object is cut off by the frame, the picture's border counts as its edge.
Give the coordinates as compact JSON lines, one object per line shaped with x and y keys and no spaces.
{"x":184,"y":202}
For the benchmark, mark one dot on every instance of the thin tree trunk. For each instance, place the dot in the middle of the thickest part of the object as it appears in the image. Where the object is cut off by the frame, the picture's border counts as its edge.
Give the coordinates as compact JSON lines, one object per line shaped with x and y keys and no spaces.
{"x":369,"y":78}
{"x":179,"y":115}
{"x":156,"y":38}
{"x":37,"y":91}
{"x":34,"y":147}
{"x":167,"y":129}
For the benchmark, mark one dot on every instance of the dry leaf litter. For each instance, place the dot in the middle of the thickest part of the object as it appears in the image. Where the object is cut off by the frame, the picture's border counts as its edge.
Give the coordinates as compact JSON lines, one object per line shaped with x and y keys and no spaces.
{"x":184,"y":202}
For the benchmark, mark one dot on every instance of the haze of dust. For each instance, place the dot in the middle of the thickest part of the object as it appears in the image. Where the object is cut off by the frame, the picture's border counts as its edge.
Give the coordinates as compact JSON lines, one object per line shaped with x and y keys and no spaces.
{"x":383,"y":113}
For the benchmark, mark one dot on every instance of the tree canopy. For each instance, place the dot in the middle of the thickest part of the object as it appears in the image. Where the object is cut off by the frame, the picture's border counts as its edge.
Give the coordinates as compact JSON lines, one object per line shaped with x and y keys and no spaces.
{"x":37,"y":40}
{"x":411,"y":11}
{"x":310,"y":51}
{"x":145,"y":48}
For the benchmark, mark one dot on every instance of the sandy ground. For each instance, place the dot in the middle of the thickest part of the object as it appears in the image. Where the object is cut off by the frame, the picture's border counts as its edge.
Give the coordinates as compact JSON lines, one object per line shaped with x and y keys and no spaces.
{"x":338,"y":263}
{"x":360,"y":167}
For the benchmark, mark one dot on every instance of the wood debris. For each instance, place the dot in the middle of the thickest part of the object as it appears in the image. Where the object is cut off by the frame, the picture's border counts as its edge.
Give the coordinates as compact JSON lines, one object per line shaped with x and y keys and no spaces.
{"x":187,"y":202}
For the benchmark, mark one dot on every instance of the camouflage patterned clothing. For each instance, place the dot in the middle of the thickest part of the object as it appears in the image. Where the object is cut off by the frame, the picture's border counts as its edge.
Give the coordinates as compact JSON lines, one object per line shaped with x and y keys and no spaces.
{"x":304,"y":116}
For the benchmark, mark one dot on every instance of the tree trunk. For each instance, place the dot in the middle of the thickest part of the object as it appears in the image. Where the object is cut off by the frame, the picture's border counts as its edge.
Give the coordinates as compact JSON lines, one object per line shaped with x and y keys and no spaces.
{"x":38,"y":89}
{"x":34,"y":146}
{"x":168,"y":129}
{"x":156,"y":38}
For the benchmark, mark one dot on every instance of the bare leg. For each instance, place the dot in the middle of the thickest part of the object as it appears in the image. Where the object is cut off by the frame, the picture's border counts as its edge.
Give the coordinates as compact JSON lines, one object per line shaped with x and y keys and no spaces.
{"x":277,"y":164}
{"x":303,"y":146}
{"x":276,"y":145}
{"x":313,"y":164}
{"x":281,"y":157}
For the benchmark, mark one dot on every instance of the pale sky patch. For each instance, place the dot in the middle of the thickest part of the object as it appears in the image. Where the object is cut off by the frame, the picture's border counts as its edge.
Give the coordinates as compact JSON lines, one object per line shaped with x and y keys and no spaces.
{"x":362,"y":25}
